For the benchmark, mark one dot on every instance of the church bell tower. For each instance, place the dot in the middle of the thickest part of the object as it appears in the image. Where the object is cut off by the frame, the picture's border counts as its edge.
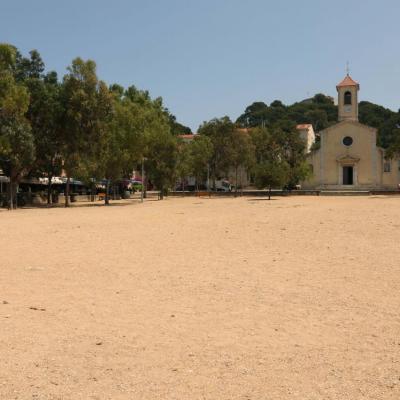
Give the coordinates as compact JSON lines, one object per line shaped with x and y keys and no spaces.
{"x":348,"y":99}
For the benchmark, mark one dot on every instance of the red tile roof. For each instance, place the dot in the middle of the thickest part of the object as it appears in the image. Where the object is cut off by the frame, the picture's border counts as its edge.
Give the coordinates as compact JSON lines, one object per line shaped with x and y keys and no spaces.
{"x":300,"y":127}
{"x":347,"y":81}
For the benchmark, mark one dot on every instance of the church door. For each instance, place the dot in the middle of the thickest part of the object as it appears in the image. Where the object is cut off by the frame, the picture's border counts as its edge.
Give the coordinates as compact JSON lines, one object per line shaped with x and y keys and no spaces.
{"x":347,"y":175}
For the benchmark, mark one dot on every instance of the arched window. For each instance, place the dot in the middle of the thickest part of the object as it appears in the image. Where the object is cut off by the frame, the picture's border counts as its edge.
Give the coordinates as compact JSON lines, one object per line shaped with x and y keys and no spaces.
{"x":347,"y":98}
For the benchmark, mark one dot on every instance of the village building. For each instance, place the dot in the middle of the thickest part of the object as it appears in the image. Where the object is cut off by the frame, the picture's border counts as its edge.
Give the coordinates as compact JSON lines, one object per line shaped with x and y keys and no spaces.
{"x":306,"y":132}
{"x":348,"y":156}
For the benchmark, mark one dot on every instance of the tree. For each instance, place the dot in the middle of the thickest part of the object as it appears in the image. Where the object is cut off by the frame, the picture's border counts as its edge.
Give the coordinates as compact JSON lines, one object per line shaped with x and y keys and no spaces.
{"x":153,"y":144}
{"x":292,"y":150}
{"x":321,"y":99}
{"x":87,"y":104}
{"x":155,"y":139}
{"x":176,"y":127}
{"x":110,"y":161}
{"x":271,"y":168}
{"x":17,"y":147}
{"x":184,"y":162}
{"x":161,"y":160}
{"x":255,"y":114}
{"x":123,"y":142}
{"x":44,"y":114}
{"x":318,"y":118}
{"x":271,"y":173}
{"x":28,"y":68}
{"x":201,"y":151}
{"x":220,"y":131}
{"x":241,"y":153}
{"x":17,"y":152}
{"x":394,"y":149}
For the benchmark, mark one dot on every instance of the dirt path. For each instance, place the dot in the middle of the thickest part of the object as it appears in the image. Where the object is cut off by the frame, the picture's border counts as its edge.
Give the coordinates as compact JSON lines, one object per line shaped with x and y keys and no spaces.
{"x":293,"y":298}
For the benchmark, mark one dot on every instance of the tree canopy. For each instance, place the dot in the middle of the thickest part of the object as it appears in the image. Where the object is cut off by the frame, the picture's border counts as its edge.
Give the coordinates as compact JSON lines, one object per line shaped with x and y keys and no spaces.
{"x":79,"y":126}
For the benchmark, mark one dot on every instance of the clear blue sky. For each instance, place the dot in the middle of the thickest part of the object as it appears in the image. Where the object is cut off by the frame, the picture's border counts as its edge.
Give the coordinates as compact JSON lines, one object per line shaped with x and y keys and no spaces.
{"x":209,"y":58}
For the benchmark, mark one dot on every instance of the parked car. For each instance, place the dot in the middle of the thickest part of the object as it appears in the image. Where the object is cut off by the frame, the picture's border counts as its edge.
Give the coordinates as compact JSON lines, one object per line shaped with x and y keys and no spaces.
{"x":137,"y":186}
{"x":222,"y":185}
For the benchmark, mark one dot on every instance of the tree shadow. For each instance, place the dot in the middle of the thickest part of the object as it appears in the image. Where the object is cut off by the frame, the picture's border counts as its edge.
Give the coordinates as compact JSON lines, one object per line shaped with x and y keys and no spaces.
{"x":261,"y":199}
{"x":78,"y":205}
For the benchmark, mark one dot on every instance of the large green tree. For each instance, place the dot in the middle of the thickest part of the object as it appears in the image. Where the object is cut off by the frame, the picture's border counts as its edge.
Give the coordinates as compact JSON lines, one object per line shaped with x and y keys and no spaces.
{"x":44,"y":114}
{"x":242,"y":153}
{"x":123,"y":145}
{"x":184,"y":162}
{"x":17,"y":148}
{"x":394,"y":149}
{"x":220,"y":131}
{"x":161,"y":161}
{"x":201,"y":152}
{"x":271,"y":169}
{"x":176,"y":127}
{"x":87,"y":105}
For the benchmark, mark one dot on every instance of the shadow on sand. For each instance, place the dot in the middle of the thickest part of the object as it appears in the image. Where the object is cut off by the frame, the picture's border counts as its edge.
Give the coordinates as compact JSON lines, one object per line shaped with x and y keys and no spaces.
{"x":263,"y":199}
{"x":113,"y":203}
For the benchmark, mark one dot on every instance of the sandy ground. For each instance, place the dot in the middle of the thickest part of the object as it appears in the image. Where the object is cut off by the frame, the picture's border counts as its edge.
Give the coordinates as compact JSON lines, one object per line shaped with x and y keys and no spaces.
{"x":294,"y":298}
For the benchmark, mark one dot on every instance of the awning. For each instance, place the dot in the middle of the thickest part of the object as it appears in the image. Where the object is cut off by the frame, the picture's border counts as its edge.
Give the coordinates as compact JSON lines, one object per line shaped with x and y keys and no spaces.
{"x":55,"y":180}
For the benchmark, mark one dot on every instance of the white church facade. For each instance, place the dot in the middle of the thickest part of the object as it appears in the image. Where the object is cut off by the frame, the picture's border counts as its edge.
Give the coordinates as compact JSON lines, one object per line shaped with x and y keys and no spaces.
{"x":348,"y":157}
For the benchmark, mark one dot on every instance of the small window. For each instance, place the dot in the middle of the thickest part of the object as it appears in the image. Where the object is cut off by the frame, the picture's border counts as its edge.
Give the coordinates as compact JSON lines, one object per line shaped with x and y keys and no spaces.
{"x":347,"y":98}
{"x":348,"y":141}
{"x":386,"y":166}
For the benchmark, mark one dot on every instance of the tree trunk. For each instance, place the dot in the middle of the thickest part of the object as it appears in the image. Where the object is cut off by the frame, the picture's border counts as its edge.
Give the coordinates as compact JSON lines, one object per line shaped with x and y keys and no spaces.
{"x":106,"y":197}
{"x":49,"y":199}
{"x":15,"y":191}
{"x":236,"y":181}
{"x":10,"y":194}
{"x":92,"y":190}
{"x":67,"y":192}
{"x":269,"y":193}
{"x":214,"y":177}
{"x":161,"y":194}
{"x":183,"y":187}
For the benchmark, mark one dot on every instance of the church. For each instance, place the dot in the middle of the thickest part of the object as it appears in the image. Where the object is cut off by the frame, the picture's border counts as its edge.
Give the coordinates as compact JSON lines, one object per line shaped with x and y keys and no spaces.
{"x":348,"y":157}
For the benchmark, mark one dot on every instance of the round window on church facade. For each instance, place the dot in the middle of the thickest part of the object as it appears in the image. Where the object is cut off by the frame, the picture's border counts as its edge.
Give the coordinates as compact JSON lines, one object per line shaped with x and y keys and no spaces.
{"x":347,"y":141}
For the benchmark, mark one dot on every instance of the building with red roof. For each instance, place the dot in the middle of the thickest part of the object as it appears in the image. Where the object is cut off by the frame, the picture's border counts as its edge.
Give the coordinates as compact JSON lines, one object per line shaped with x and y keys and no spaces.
{"x":348,"y":156}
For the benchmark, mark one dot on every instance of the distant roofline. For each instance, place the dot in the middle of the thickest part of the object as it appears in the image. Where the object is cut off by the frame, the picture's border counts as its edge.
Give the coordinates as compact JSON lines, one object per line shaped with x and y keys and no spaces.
{"x":303,"y":126}
{"x":346,"y":121}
